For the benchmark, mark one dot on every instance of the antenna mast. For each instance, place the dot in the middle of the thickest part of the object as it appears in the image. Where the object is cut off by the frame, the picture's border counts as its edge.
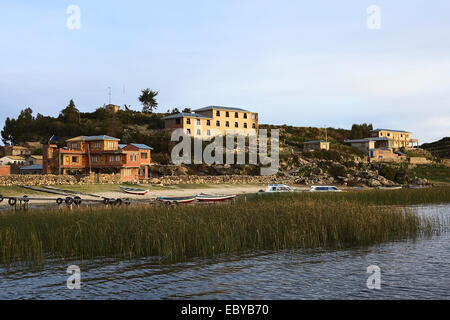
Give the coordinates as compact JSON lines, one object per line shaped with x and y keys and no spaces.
{"x":109,"y":95}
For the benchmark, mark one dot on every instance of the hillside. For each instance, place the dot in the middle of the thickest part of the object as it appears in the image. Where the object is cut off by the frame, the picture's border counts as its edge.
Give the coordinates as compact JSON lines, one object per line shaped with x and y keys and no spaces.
{"x":440,"y":148}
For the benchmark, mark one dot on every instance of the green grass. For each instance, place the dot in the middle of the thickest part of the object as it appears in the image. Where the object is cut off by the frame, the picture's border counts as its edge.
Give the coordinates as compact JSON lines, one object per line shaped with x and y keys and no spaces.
{"x":435,"y":173}
{"x":179,"y":233}
{"x":18,"y":191}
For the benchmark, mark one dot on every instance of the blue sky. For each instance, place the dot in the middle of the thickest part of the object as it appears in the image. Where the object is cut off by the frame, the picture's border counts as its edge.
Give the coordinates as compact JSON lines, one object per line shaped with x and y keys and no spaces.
{"x":304,"y":63}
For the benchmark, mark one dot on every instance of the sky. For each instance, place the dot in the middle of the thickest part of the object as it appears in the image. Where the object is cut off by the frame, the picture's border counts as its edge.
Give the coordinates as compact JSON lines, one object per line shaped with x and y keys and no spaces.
{"x":301,"y":63}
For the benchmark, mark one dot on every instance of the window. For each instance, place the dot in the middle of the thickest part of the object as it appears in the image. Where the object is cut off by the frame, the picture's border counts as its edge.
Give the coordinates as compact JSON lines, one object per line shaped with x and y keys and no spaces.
{"x":254,"y":125}
{"x":208,"y":132}
{"x":74,"y":145}
{"x":188,"y":121}
{"x":236,"y":125}
{"x":127,"y":172}
{"x":75,"y":159}
{"x":208,"y":122}
{"x":227,"y":114}
{"x":218,"y":113}
{"x":144,"y":155}
{"x":188,"y":131}
{"x":97,"y":145}
{"x":177,"y":121}
{"x":94,"y":159}
{"x":388,"y":134}
{"x":401,"y":136}
{"x":111,"y":145}
{"x":199,"y":122}
{"x":199,"y":132}
{"x":218,"y":123}
{"x":236,"y":115}
{"x":245,"y":116}
{"x":381,"y":134}
{"x":133,"y":157}
{"x":253,"y":116}
{"x":245,"y":125}
{"x":227,"y":123}
{"x":118,"y":158}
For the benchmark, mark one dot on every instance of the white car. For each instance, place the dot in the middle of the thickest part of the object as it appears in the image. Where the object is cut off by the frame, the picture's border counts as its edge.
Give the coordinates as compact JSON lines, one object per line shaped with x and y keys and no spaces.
{"x":324,"y":189}
{"x":277,"y":188}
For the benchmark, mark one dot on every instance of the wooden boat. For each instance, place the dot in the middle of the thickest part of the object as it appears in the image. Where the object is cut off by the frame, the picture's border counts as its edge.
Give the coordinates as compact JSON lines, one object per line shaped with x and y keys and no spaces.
{"x":389,"y":187}
{"x":170,"y":200}
{"x":137,"y":191}
{"x":202,"y":197}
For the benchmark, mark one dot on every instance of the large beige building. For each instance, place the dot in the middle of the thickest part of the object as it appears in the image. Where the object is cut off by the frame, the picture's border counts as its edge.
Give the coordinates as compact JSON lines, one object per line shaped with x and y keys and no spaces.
{"x":209,"y":120}
{"x":395,"y":138}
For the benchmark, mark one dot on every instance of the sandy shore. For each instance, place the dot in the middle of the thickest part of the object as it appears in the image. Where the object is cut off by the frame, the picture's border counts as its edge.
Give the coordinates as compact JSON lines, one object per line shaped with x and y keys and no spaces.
{"x":152,"y":194}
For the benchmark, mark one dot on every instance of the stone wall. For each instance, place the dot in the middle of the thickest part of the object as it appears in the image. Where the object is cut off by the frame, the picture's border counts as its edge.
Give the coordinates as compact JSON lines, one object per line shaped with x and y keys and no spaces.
{"x":49,"y":179}
{"x":230,"y":179}
{"x":419,"y":160}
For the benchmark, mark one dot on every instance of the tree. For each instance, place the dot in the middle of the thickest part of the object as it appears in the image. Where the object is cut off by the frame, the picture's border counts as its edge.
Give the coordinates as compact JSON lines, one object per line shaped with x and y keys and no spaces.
{"x":8,"y":131}
{"x":187,"y":110}
{"x":148,"y":100}
{"x":70,"y":114}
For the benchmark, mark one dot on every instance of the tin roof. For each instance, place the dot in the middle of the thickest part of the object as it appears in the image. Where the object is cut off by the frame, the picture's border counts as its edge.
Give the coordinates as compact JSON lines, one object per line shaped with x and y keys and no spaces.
{"x":222,"y":108}
{"x":186,"y":115}
{"x":403,"y":131}
{"x":315,"y":141}
{"x":32,"y":167}
{"x":93,"y":138}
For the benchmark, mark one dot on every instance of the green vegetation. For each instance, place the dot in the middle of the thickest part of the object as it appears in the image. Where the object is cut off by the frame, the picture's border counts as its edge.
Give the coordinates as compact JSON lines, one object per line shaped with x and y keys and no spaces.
{"x":435,"y":173}
{"x":439,"y":148}
{"x":272,"y":222}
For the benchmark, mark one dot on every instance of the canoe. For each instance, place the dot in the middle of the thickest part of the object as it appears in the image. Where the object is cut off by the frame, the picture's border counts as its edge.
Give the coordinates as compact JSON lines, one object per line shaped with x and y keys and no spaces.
{"x":214,"y":197}
{"x":137,"y":191}
{"x":169,"y":200}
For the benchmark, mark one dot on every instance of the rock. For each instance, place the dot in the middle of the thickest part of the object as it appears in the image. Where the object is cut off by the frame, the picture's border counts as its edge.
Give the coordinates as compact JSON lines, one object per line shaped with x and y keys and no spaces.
{"x":373,"y":183}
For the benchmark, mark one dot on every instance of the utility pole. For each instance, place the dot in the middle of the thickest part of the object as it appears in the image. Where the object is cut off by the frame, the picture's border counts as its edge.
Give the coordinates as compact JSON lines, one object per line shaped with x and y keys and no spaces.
{"x":109,"y":95}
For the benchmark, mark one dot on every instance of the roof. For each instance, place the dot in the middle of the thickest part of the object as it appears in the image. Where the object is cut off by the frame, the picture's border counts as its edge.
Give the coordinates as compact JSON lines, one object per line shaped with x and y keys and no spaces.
{"x":403,"y":131}
{"x":220,"y":107}
{"x":15,"y":157}
{"x":137,"y":145}
{"x":367,"y":139}
{"x":32,"y":167}
{"x":37,"y":156}
{"x":141,"y":146}
{"x":316,"y":141}
{"x":92,"y":138}
{"x":185,"y":115}
{"x":17,"y":147}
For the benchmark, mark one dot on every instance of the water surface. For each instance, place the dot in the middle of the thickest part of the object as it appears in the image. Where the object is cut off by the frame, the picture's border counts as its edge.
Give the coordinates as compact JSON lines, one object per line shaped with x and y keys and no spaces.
{"x":412,"y":269}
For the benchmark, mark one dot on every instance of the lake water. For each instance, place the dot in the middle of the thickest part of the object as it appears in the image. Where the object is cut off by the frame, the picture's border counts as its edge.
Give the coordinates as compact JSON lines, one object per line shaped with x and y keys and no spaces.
{"x":409,"y":270}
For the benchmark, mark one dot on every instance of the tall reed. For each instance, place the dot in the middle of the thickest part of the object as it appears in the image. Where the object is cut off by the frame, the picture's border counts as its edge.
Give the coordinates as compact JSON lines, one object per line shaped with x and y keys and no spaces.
{"x":182,"y":232}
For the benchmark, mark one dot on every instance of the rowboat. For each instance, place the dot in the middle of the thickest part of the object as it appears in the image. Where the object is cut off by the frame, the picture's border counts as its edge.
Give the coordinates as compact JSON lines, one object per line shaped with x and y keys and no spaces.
{"x":137,"y":191}
{"x":170,"y":200}
{"x":271,"y":188}
{"x":389,"y":187}
{"x":202,"y":197}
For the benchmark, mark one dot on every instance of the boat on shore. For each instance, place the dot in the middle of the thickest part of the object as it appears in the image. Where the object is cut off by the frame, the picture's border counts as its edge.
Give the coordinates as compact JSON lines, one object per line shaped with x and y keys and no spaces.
{"x":389,"y":187}
{"x":135,"y":191}
{"x":177,"y":200}
{"x":202,"y":197}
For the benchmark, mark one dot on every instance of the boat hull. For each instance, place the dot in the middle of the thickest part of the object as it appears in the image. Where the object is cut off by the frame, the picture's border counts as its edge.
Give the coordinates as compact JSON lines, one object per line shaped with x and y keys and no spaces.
{"x":214,"y":198}
{"x":175,"y":200}
{"x":139,"y":192}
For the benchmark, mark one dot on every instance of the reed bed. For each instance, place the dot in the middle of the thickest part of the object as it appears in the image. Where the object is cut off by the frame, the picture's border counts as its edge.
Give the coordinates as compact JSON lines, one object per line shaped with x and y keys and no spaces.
{"x":179,"y":233}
